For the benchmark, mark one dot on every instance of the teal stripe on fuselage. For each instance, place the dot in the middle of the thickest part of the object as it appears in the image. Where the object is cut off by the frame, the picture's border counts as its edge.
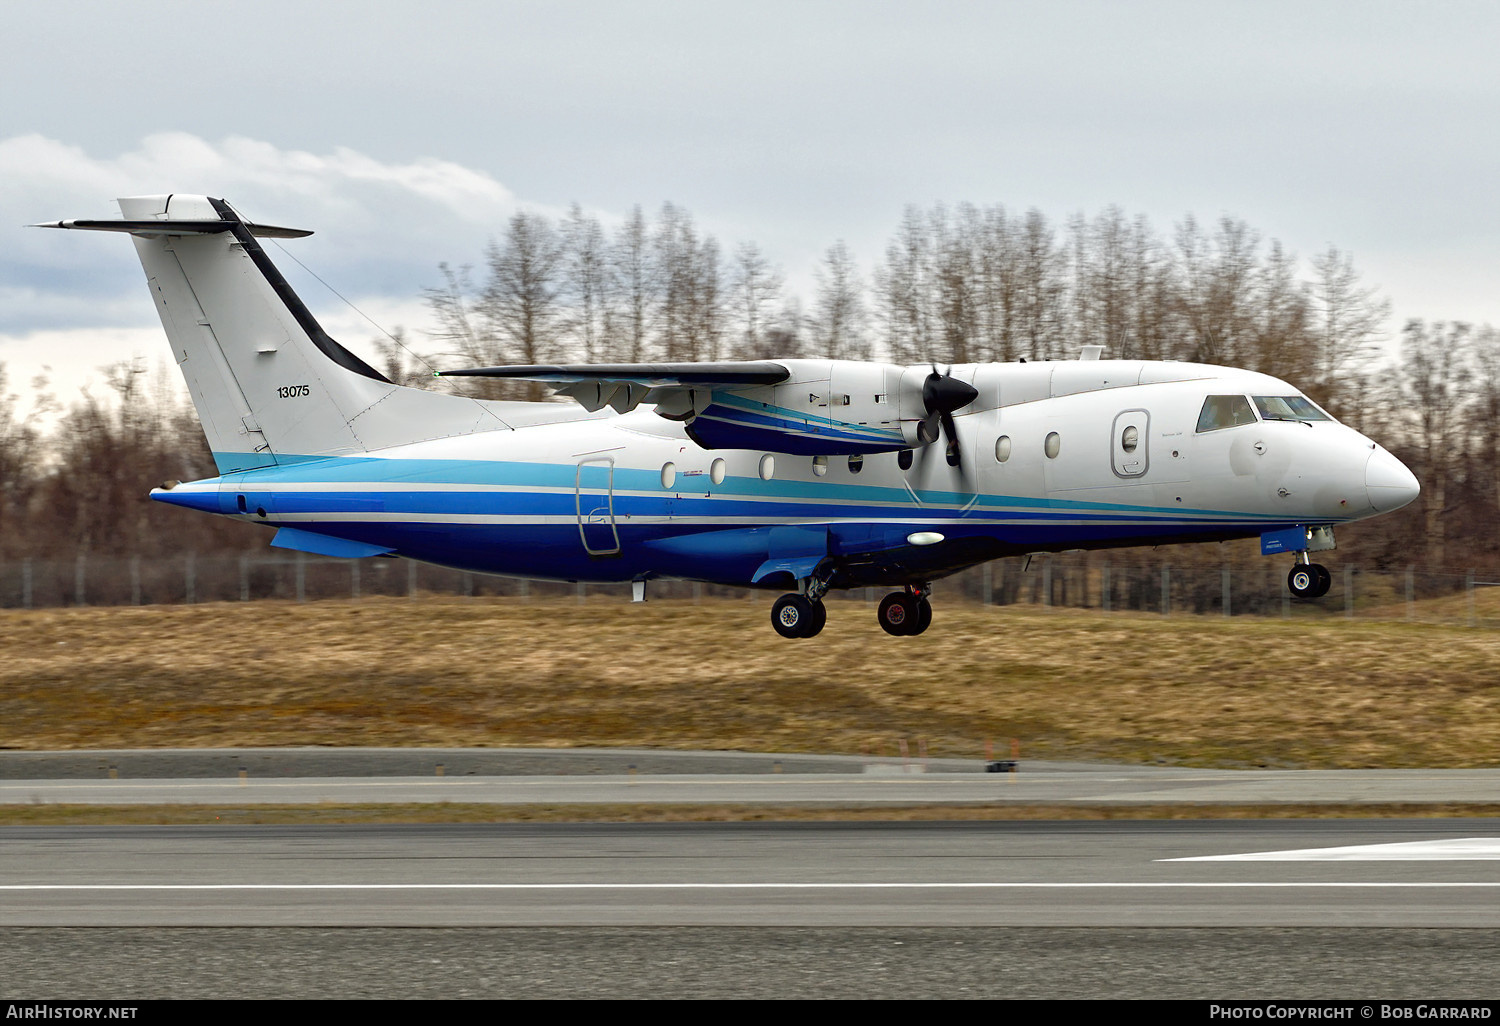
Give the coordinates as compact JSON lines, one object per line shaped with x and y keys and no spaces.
{"x":849,"y":499}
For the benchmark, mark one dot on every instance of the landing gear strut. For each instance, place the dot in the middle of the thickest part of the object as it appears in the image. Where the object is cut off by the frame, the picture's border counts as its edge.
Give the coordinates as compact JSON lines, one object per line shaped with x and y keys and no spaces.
{"x":1309,"y":580}
{"x":906,"y":613}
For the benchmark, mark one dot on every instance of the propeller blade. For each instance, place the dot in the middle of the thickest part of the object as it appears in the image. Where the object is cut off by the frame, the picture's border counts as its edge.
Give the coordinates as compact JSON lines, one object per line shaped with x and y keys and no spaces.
{"x":927,"y":430}
{"x":952,"y":432}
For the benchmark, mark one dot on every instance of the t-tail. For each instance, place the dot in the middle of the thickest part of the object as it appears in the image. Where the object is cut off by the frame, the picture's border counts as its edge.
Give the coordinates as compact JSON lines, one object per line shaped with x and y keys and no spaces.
{"x":271,"y":388}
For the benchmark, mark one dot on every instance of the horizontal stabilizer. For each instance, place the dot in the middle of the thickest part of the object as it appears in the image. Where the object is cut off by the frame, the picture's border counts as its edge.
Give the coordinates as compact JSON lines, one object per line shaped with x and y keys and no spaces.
{"x":322,"y":545}
{"x":176,"y":227}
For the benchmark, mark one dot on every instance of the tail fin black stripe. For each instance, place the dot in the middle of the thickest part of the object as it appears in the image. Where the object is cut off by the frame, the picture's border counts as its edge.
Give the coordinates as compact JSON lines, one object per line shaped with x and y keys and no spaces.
{"x":331,"y":349}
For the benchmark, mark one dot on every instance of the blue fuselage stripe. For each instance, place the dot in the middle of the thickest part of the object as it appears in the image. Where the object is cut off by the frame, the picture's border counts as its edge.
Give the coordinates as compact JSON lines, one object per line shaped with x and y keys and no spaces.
{"x":523,"y":518}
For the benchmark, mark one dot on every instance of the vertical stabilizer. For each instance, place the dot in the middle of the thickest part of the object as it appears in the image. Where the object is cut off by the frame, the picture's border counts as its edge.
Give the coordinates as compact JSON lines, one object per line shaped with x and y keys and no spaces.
{"x":262,"y":386}
{"x":269,"y":385}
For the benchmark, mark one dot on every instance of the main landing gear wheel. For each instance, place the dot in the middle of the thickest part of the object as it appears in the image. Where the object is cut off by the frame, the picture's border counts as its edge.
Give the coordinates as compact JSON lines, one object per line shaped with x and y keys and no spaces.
{"x":924,"y":617}
{"x":1309,"y":580}
{"x":796,"y":616}
{"x":904,"y":615}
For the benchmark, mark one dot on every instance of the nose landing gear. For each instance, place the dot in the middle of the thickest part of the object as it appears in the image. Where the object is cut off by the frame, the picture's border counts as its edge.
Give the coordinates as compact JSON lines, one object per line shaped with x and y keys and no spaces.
{"x":1309,"y":580}
{"x":906,"y":613}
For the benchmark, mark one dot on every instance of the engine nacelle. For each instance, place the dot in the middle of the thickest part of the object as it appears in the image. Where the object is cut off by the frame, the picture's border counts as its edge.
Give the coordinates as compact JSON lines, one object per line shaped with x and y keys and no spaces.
{"x":825,"y":408}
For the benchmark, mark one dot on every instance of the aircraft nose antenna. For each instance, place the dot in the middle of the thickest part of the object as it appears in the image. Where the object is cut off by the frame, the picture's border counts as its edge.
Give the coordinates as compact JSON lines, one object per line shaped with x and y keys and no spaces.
{"x":1388,"y":483}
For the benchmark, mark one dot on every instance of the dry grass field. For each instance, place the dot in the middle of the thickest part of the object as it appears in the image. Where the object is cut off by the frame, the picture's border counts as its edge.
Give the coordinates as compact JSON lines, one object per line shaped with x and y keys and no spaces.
{"x":1203,"y":691}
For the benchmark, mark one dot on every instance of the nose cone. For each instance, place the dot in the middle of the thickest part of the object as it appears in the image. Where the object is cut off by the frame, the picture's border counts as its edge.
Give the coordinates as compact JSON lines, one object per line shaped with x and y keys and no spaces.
{"x":1387,"y":481}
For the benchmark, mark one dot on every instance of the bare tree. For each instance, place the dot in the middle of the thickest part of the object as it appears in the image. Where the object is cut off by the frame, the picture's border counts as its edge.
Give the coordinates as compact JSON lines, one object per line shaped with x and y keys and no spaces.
{"x":1218,"y":276}
{"x":1435,"y":380}
{"x":1041,"y":318}
{"x":708,"y":300}
{"x":787,"y":337}
{"x":675,"y":245}
{"x":1485,"y":422}
{"x":956,"y":282}
{"x":399,"y":362}
{"x":20,"y":462}
{"x":690,"y":277}
{"x":757,"y":286}
{"x":521,"y":298}
{"x":904,"y":301}
{"x":466,"y":333}
{"x":588,"y":284}
{"x":633,"y":321}
{"x":998,"y":295}
{"x":1277,"y":330}
{"x":838,"y":323}
{"x":1348,"y":320}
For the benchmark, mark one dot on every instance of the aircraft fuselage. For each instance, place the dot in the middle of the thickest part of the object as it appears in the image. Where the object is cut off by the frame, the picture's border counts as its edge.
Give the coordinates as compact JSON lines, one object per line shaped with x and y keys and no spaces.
{"x":1052,"y":456}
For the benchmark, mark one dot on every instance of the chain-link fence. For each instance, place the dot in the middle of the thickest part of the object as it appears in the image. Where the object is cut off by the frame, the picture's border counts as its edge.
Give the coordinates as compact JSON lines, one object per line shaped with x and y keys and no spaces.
{"x":1078,"y":581}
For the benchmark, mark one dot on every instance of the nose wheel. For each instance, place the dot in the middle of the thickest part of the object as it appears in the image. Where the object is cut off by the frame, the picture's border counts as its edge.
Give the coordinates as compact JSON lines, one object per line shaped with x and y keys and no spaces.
{"x":1309,"y":580}
{"x":905,"y":613}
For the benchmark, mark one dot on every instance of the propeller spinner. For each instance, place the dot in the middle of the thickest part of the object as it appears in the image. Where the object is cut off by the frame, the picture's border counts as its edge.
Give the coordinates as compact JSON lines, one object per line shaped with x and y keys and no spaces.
{"x":942,"y":396}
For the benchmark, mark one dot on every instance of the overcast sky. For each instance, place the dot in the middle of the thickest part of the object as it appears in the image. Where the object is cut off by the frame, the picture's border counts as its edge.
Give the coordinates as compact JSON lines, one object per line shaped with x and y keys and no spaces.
{"x":404,"y":133}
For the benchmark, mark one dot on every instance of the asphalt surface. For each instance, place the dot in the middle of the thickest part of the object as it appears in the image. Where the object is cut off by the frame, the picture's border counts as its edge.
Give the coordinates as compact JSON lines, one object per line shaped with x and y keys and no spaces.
{"x":988,"y":910}
{"x":602,"y":776}
{"x":1362,"y":965}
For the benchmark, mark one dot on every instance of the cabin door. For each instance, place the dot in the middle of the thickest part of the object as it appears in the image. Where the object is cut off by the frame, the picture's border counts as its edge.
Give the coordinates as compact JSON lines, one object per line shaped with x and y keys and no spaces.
{"x":594,"y":488}
{"x":1128,"y":447}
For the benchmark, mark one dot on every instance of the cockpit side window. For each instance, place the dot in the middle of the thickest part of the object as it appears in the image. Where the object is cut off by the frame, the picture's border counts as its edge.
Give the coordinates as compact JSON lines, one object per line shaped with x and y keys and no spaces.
{"x":1288,"y":407}
{"x":1225,"y":411}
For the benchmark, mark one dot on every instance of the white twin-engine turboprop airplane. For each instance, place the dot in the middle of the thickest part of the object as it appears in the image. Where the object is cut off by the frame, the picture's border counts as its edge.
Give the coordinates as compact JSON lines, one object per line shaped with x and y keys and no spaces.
{"x":798,"y":475}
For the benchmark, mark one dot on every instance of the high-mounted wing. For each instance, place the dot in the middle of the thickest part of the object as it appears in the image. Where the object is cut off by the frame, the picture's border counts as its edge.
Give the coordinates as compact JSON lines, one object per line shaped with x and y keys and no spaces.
{"x":624,"y":386}
{"x":797,"y":406}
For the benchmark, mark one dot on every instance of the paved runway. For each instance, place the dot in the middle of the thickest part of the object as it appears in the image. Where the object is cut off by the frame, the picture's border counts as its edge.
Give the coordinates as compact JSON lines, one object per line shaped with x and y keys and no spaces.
{"x":1095,"y":874}
{"x":1190,"y":909}
{"x":583,"y":777}
{"x":1098,"y":909}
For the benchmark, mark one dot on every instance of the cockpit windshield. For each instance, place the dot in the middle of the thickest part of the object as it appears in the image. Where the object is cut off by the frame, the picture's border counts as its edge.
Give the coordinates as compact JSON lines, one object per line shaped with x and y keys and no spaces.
{"x":1225,"y":411}
{"x":1288,"y":407}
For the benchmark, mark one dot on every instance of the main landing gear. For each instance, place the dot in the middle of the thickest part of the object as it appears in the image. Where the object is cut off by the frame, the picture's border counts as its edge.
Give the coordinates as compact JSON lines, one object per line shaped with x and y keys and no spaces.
{"x":906,"y":613}
{"x":902,"y":613}
{"x":798,"y":616}
{"x":1309,"y":580}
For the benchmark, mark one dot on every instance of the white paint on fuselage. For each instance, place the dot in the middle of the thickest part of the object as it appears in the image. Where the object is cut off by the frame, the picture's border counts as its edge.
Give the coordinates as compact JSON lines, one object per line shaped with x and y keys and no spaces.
{"x":1320,"y":466}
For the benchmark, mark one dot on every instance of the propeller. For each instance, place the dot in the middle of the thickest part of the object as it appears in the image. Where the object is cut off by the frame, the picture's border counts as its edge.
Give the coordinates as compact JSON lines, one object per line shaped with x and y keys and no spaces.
{"x":942,"y":395}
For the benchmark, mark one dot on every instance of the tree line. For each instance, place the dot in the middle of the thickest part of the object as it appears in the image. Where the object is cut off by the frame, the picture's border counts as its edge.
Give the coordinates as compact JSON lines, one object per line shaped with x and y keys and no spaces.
{"x":954,"y":284}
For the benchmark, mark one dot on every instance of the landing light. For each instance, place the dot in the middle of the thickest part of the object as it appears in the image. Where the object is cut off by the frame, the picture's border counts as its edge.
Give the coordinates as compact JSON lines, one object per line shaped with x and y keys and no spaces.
{"x":924,"y":538}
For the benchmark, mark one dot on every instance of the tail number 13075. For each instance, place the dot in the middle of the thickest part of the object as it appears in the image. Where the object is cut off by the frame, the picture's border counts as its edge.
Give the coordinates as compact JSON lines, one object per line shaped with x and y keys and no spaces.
{"x":292,"y":391}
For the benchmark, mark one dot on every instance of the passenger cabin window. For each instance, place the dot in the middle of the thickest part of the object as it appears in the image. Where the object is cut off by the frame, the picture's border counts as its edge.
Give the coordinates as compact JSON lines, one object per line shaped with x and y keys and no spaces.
{"x":1225,"y":411}
{"x":1288,"y":407}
